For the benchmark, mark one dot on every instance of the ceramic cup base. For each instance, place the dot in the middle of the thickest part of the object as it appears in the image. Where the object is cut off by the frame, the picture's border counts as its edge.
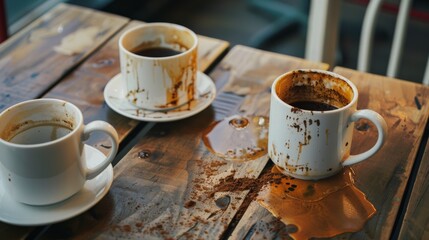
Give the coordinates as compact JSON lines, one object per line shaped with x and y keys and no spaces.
{"x":308,"y":177}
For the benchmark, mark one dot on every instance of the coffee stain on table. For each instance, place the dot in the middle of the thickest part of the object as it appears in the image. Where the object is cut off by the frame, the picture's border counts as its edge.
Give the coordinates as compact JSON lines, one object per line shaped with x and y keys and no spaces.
{"x":78,"y":41}
{"x":238,"y":138}
{"x":41,"y":34}
{"x":323,"y":208}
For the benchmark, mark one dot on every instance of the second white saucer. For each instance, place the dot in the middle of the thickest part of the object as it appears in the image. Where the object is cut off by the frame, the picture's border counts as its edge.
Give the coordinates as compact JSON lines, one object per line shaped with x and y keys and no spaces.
{"x":92,"y":192}
{"x":114,"y":95}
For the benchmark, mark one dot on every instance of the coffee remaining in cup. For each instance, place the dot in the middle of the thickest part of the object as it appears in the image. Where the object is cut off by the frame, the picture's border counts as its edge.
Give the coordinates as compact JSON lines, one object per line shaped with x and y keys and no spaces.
{"x":155,"y":51}
{"x":41,"y":145}
{"x":159,"y":65}
{"x":313,"y":106}
{"x":312,"y":117}
{"x":39,"y":132}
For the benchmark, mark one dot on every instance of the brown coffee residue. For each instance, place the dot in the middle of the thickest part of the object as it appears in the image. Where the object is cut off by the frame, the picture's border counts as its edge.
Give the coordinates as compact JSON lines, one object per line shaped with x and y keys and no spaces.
{"x":316,"y":93}
{"x":182,"y":79}
{"x":291,"y":168}
{"x":190,"y":204}
{"x":314,"y":86}
{"x":232,"y":184}
{"x":55,"y":124}
{"x":163,"y":113}
{"x":179,"y":74}
{"x":170,"y":37}
{"x":182,"y":72}
{"x":306,"y":141}
{"x":323,"y":208}
{"x":295,"y":109}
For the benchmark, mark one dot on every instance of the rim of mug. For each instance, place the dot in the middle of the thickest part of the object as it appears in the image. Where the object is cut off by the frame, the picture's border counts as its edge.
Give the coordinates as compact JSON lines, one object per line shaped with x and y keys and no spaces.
{"x":162,"y":24}
{"x":333,"y":74}
{"x":41,"y":100}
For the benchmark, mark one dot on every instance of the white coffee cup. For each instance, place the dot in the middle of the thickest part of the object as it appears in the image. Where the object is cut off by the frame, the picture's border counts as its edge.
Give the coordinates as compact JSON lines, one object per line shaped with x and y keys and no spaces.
{"x":315,"y":143}
{"x":159,"y":65}
{"x":41,"y":148}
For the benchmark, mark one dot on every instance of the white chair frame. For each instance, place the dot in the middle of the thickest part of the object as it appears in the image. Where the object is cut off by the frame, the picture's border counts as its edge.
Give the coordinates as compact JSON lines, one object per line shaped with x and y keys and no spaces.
{"x":322,"y":35}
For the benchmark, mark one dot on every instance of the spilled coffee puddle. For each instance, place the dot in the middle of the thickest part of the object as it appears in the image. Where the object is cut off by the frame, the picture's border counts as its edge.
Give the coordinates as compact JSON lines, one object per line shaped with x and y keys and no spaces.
{"x":238,"y":138}
{"x":323,"y":208}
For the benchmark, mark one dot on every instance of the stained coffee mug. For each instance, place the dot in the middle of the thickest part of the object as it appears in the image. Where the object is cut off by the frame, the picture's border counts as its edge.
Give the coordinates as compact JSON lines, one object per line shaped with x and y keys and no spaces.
{"x":159,"y":65}
{"x":312,"y":118}
{"x":41,"y":150}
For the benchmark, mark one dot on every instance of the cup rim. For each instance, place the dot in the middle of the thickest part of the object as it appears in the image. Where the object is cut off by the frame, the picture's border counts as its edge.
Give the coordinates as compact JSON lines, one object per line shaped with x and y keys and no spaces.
{"x":162,"y":24}
{"x":41,"y":100}
{"x":333,"y":74}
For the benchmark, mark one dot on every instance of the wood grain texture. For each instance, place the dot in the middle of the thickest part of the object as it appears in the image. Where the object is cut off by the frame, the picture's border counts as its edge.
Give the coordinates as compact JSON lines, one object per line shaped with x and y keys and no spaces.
{"x":37,"y":57}
{"x":384,"y":176}
{"x":82,"y":85}
{"x":258,"y":223}
{"x":416,"y":220}
{"x":29,"y":65}
{"x":208,"y":50}
{"x":164,"y":187}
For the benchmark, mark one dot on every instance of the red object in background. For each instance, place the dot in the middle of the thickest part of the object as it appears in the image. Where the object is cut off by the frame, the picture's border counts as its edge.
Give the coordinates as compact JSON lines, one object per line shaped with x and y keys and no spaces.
{"x":3,"y":23}
{"x":394,"y":8}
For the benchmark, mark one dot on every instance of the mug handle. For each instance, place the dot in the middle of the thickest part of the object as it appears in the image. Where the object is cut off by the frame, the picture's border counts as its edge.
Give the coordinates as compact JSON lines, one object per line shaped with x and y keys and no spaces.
{"x":381,"y":125}
{"x":113,"y":135}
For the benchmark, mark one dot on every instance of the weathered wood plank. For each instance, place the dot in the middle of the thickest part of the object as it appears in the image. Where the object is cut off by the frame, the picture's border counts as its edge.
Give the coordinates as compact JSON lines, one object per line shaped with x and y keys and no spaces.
{"x":383,"y":177}
{"x":209,"y":49}
{"x":258,"y":223}
{"x":416,"y":220}
{"x":37,"y":57}
{"x":30,"y":65}
{"x":164,"y":186}
{"x":84,"y":87}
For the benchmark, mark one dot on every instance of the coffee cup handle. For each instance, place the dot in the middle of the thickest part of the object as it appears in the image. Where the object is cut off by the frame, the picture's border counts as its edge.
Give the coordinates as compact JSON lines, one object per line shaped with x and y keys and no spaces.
{"x":381,"y":125}
{"x":113,"y":135}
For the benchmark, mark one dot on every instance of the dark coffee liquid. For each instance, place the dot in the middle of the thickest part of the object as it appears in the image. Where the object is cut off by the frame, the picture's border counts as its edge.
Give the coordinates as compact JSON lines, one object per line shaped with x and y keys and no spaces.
{"x":156,"y":52}
{"x":313,"y":106}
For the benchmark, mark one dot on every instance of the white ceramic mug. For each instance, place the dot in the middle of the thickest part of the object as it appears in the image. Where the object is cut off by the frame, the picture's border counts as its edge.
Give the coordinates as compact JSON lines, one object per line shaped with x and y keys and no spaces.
{"x":41,"y":150}
{"x":159,"y":65}
{"x":309,"y":141}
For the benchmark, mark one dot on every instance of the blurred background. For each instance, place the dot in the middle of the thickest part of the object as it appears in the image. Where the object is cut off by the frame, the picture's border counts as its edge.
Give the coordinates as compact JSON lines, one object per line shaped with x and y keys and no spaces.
{"x":273,"y":25}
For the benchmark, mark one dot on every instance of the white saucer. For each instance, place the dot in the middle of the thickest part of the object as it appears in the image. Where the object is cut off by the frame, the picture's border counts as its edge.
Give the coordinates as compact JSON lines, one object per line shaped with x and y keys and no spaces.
{"x":114,"y":95}
{"x":93,"y":191}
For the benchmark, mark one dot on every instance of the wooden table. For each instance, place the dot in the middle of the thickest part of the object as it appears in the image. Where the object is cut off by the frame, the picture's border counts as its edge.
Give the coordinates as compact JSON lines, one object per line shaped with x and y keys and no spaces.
{"x":164,"y":176}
